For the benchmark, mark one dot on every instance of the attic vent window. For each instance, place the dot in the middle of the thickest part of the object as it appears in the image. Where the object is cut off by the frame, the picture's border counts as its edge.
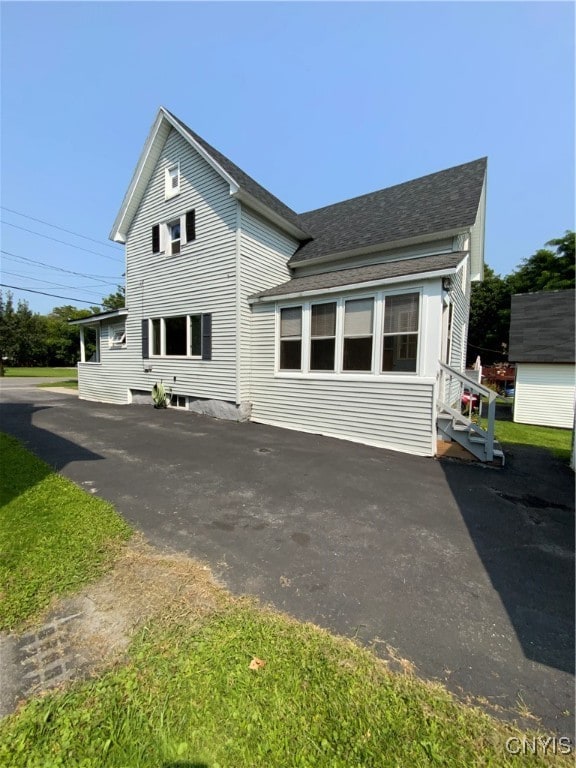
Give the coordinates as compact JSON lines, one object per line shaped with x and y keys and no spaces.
{"x":172,"y":181}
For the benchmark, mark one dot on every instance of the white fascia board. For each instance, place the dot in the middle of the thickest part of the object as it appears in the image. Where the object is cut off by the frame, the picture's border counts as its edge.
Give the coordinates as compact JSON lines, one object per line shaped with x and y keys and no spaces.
{"x":94,"y":319}
{"x":357,"y":286}
{"x":120,"y":226}
{"x":251,"y":202}
{"x":378,"y":248}
{"x":234,"y":186}
{"x":144,"y":170}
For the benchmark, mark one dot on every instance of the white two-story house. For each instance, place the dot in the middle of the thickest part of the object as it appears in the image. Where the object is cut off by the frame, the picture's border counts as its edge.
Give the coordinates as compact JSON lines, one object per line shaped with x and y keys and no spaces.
{"x":349,"y":320}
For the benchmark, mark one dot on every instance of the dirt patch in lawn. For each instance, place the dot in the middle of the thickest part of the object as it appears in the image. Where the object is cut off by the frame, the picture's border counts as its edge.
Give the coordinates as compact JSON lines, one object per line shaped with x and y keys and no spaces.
{"x":91,"y":630}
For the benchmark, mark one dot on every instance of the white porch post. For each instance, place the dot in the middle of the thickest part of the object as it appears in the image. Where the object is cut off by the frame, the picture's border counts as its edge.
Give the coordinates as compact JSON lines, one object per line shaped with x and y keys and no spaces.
{"x":82,"y":345}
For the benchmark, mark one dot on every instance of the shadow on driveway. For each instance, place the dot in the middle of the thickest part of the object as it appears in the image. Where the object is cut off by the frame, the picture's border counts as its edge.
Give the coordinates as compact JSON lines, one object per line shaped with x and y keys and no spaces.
{"x":521,"y":521}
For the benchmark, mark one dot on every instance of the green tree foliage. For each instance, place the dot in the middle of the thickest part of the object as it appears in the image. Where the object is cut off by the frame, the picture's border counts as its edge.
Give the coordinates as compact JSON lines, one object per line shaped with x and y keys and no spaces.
{"x":546,"y":270}
{"x":22,"y":334}
{"x":116,"y":300}
{"x":62,"y":339}
{"x":489,"y":318}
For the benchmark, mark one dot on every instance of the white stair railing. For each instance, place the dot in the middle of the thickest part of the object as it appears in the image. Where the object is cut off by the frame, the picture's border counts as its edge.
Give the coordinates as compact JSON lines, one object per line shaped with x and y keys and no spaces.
{"x":451,"y":387}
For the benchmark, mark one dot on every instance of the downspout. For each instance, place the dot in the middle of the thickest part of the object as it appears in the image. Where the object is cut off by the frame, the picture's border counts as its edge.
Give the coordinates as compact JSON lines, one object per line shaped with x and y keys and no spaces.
{"x":238,"y":301}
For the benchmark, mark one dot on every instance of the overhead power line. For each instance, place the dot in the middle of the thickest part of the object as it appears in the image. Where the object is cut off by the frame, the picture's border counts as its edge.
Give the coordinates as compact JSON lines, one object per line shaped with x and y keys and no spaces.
{"x":58,"y":269}
{"x":55,"y":226}
{"x":54,"y":295}
{"x":63,"y":242}
{"x":92,"y":289}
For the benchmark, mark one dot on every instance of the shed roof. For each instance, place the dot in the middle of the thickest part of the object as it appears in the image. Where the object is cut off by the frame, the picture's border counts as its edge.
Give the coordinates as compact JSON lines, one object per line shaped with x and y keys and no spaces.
{"x":542,"y":327}
{"x":441,"y":264}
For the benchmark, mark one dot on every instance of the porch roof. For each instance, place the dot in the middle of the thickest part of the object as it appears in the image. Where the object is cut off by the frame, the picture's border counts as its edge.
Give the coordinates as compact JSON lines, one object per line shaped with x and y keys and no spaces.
{"x":95,"y":319}
{"x":400,"y":270}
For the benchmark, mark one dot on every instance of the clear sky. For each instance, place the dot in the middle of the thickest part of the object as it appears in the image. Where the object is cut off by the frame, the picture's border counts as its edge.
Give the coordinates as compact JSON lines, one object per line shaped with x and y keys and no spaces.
{"x":319,"y":102}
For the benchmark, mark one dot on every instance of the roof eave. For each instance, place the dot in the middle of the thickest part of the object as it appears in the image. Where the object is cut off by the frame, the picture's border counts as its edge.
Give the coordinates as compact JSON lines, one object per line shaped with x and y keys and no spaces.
{"x":378,"y":247}
{"x":247,"y":199}
{"x":93,"y":319}
{"x":437,"y":273}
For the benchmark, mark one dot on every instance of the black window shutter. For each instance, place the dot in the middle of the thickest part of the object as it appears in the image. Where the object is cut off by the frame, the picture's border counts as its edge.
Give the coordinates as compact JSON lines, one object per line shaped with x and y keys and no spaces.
{"x":190,"y":226}
{"x":145,"y":347}
{"x":156,"y":238}
{"x":206,"y":337}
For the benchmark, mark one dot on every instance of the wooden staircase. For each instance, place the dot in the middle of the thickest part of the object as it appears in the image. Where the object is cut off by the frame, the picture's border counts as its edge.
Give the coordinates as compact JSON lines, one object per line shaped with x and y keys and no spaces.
{"x":454,"y":425}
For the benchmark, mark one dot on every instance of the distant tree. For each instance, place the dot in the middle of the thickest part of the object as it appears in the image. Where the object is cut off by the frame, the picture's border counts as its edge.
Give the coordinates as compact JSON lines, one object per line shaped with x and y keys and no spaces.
{"x":62,"y":339}
{"x":8,"y":330}
{"x":489,"y":318}
{"x":21,"y":334}
{"x":116,"y":300}
{"x":547,"y":270}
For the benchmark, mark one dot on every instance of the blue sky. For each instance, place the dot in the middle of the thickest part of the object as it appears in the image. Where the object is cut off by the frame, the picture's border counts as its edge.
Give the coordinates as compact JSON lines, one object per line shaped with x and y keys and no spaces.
{"x":317,"y":101}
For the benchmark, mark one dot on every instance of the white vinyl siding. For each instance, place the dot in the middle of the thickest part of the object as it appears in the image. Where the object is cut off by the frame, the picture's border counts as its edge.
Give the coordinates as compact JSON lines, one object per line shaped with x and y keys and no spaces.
{"x":390,"y":411}
{"x":264,"y":253}
{"x":545,"y":394}
{"x":200,"y":279}
{"x":460,"y":298}
{"x":100,"y":381}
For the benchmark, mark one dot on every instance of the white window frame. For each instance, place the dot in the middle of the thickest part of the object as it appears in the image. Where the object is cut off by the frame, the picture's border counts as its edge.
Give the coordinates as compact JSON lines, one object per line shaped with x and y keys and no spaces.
{"x":165,"y":235}
{"x":336,"y":336}
{"x":188,"y":355}
{"x":280,"y":337}
{"x":170,"y":190}
{"x":379,"y":298}
{"x":117,"y":336}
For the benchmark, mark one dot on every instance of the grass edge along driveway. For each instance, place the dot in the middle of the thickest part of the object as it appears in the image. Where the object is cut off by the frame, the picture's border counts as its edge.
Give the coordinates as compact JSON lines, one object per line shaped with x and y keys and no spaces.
{"x":236,"y":686}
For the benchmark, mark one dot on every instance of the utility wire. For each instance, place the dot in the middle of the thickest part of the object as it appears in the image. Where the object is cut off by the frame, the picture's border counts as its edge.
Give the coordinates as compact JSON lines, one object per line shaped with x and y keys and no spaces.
{"x":63,"y":242}
{"x":55,"y":295}
{"x":55,"y":226}
{"x":57,"y":269}
{"x":88,"y":288}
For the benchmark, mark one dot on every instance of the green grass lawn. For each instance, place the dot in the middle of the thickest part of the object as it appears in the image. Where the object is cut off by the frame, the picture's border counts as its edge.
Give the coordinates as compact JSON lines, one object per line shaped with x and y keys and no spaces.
{"x":187,"y":697}
{"x":558,"y":441}
{"x":67,"y":383}
{"x":53,"y":536}
{"x":64,"y":373}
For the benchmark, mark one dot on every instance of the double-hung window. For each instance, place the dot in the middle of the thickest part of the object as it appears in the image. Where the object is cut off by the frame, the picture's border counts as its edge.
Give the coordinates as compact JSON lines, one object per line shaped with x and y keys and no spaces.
{"x":173,"y":228}
{"x":172,"y":235}
{"x":358,"y":330}
{"x":323,"y":336}
{"x":291,"y":339}
{"x":369,"y":335}
{"x":400,"y":343}
{"x":178,"y":336}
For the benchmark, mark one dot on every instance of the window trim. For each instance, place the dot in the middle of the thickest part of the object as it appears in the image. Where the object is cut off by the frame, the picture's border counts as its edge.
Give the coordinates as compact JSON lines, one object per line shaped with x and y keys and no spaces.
{"x":112,"y":331}
{"x":164,"y":235}
{"x":162,"y":319}
{"x":169,"y":190}
{"x":293,"y":338}
{"x":339,"y":373}
{"x":336,"y":337}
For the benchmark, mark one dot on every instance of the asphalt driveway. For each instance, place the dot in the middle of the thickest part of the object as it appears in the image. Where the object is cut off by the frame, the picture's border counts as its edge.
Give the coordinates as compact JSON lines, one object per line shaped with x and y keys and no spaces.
{"x":467,"y":572}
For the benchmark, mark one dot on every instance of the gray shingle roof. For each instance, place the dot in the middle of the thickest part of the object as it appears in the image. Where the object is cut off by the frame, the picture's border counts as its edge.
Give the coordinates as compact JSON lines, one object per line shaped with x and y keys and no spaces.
{"x":246,"y":182}
{"x":442,"y":201}
{"x":542,"y":327}
{"x":343,"y":277}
